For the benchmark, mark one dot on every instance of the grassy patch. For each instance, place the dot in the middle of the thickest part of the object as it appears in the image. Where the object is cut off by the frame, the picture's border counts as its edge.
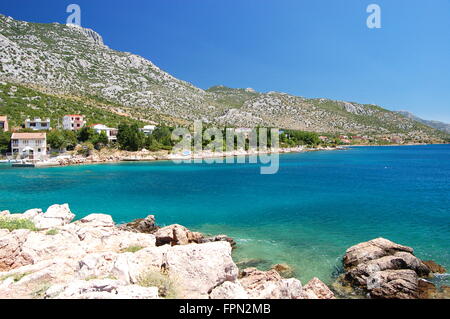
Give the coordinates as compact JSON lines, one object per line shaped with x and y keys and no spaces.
{"x":131,"y":249}
{"x":166,"y":286}
{"x":52,"y":232}
{"x":39,"y":292}
{"x":16,"y":223}
{"x":15,"y":277}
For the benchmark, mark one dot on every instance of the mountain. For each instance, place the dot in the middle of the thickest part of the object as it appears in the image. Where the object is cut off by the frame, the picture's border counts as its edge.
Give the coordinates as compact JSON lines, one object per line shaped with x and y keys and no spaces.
{"x":441,"y":126}
{"x":70,"y":61}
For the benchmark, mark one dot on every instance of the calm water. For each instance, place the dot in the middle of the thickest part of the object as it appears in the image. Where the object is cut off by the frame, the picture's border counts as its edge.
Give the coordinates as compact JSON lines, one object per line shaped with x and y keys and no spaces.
{"x":318,"y":204}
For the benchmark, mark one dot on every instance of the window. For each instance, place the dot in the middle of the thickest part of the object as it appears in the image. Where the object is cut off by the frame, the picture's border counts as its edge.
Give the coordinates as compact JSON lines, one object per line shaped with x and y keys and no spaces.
{"x":25,"y":142}
{"x":39,"y":150}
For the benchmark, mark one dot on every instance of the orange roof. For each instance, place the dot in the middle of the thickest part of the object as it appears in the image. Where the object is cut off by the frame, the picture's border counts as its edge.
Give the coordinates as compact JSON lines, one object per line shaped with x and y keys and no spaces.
{"x":73,"y":115}
{"x":28,"y":136}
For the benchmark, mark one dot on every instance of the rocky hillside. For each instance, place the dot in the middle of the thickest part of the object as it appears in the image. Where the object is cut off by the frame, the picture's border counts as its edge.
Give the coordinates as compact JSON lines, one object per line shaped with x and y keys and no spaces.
{"x":441,"y":126}
{"x":70,"y":60}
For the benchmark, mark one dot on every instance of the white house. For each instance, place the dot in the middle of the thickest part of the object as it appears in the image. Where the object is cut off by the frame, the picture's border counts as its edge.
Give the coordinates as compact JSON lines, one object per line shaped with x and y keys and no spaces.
{"x":111,"y":133}
{"x":29,"y":145}
{"x":38,"y":124}
{"x":148,"y":129}
{"x":73,"y":122}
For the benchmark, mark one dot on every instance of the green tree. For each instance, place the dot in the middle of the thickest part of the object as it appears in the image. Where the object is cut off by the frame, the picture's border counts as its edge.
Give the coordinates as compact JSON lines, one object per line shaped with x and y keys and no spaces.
{"x":86,"y":134}
{"x":130,"y":138}
{"x":57,"y":140}
{"x":5,"y":142}
{"x":99,"y":140}
{"x":163,"y":135}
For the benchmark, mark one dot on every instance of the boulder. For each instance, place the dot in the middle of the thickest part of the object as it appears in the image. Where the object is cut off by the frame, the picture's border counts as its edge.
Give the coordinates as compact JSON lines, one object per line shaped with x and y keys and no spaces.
{"x":201,"y":239}
{"x":98,"y":220}
{"x":316,"y":289}
{"x":198,"y":269}
{"x":229,"y":290}
{"x":384,"y":269}
{"x":175,"y":235}
{"x":270,"y":285}
{"x":370,"y":250}
{"x":56,"y":215}
{"x":32,"y":213}
{"x":394,"y":284}
{"x":143,"y":225}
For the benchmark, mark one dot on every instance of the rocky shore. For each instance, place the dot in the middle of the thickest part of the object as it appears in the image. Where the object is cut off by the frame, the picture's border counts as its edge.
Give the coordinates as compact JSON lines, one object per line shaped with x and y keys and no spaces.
{"x":114,"y":156}
{"x":93,"y":258}
{"x":49,"y":256}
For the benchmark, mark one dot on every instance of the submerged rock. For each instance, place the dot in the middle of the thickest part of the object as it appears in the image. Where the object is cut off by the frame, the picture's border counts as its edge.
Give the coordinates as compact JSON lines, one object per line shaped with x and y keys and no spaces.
{"x":434,"y":267}
{"x":217,"y":238}
{"x":284,"y":270}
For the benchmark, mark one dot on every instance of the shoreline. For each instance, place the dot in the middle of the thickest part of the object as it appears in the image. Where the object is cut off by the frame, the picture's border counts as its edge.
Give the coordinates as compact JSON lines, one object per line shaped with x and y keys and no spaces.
{"x":123,"y":156}
{"x":66,"y":258}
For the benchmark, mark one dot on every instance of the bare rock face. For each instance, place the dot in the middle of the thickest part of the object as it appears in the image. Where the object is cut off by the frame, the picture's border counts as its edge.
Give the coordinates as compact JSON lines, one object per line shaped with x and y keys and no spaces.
{"x":176,"y":235}
{"x":56,"y":215}
{"x":384,"y":269}
{"x":11,"y":250}
{"x":229,"y":290}
{"x":144,"y":225}
{"x":217,"y":238}
{"x":270,"y":285}
{"x":394,"y":284}
{"x":200,"y":268}
{"x":98,"y":220}
{"x":370,"y":250}
{"x":316,"y":289}
{"x":100,"y":289}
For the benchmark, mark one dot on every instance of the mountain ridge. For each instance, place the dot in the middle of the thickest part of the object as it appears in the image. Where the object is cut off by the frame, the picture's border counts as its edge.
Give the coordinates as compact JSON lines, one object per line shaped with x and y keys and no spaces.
{"x":73,"y":60}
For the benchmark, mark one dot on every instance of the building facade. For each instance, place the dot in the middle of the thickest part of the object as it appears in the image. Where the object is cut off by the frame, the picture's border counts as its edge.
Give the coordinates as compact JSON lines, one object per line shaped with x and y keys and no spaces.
{"x":111,"y":133}
{"x":4,"y":123}
{"x":38,"y":124}
{"x":73,"y":122}
{"x":148,"y":129}
{"x":31,"y":146}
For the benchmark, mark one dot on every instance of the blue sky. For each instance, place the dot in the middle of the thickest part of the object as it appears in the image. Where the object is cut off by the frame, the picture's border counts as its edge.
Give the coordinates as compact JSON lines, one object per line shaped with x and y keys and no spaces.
{"x":311,"y":48}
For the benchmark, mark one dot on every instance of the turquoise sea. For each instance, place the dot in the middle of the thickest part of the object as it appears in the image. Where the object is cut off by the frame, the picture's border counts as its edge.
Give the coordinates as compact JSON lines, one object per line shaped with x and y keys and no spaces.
{"x":307,"y":215}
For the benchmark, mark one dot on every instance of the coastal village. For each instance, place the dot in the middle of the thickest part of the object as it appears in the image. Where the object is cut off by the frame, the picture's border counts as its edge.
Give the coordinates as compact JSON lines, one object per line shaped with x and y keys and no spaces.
{"x":33,"y":143}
